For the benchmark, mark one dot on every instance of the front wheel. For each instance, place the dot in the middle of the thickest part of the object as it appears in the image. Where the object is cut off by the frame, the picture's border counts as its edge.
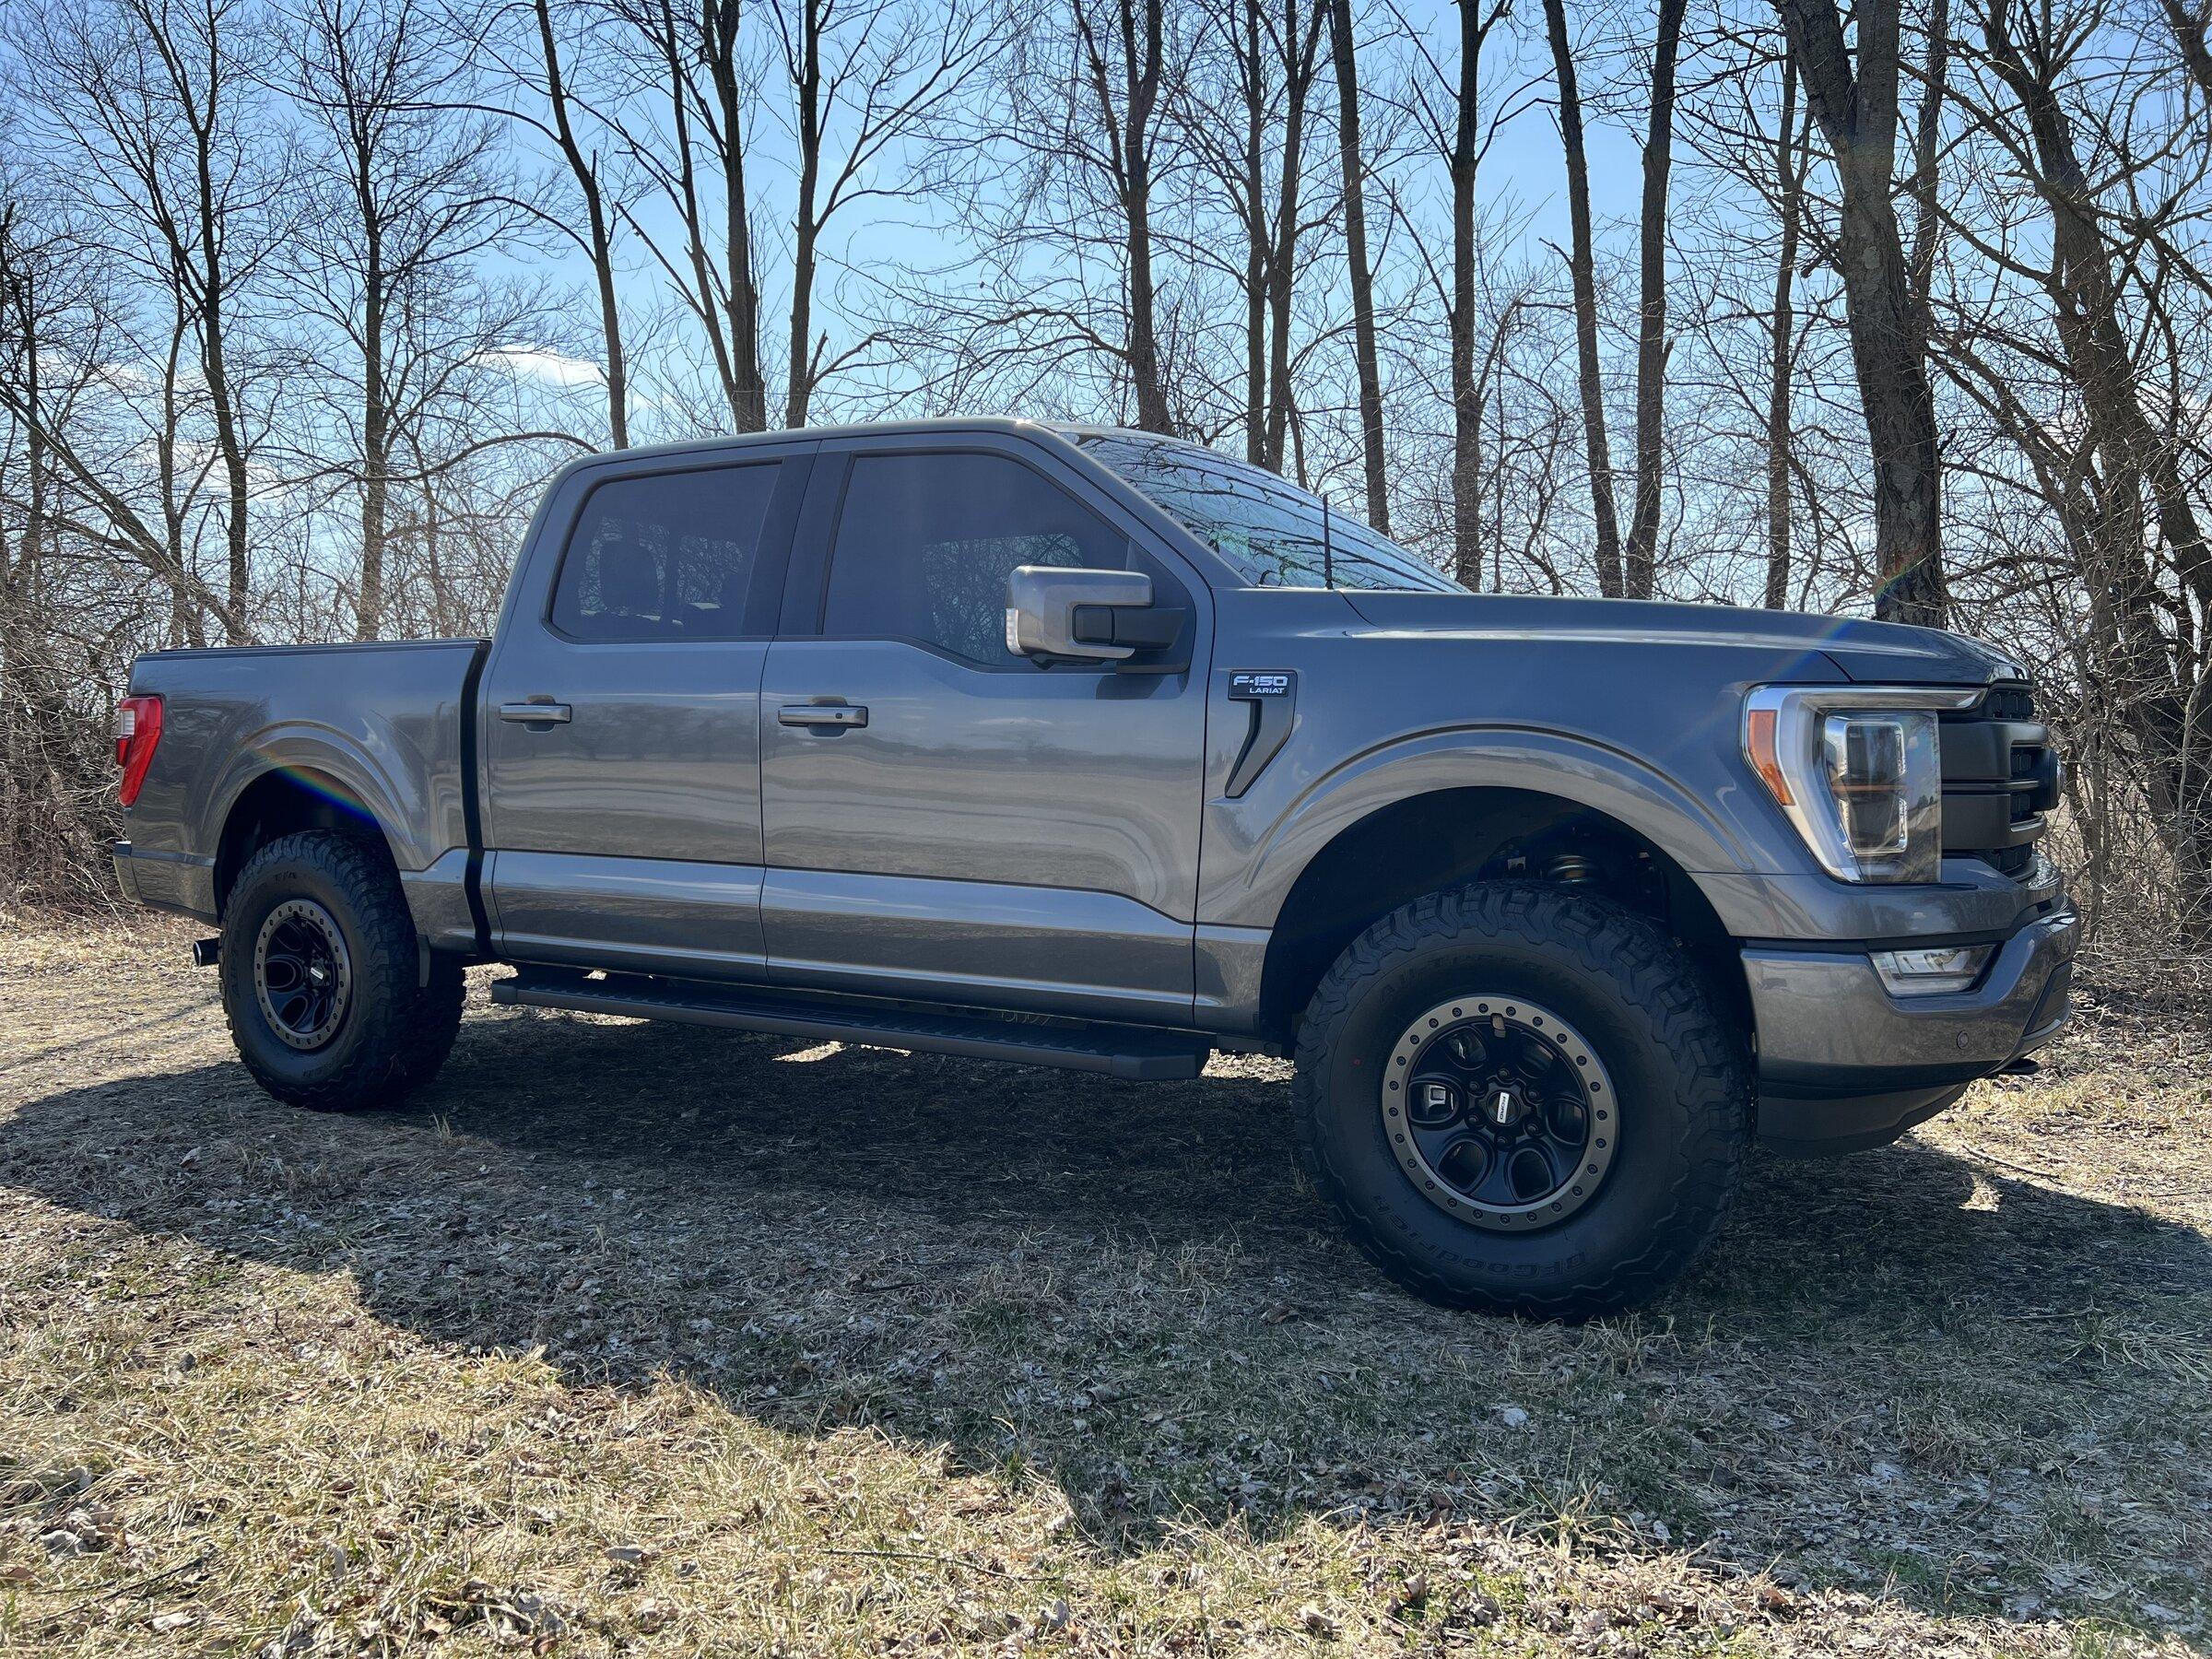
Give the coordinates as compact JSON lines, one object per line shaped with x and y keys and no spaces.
{"x":321,"y":976}
{"x":1521,"y":1098}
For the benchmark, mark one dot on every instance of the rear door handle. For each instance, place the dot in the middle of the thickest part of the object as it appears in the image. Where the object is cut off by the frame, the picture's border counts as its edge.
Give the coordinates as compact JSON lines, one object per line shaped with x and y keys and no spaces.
{"x":537,"y":713}
{"x":841,"y":717}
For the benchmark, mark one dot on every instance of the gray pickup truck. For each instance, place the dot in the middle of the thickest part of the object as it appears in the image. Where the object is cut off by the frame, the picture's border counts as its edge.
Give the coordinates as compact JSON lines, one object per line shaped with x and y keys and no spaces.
{"x":1090,"y":748}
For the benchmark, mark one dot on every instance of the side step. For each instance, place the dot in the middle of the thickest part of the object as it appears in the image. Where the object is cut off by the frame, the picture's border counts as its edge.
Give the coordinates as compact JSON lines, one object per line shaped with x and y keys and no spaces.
{"x":1139,"y":1052}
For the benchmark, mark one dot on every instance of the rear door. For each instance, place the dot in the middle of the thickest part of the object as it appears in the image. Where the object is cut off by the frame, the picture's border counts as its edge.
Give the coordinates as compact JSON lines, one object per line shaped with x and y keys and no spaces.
{"x":943,"y":820}
{"x":620,"y":717}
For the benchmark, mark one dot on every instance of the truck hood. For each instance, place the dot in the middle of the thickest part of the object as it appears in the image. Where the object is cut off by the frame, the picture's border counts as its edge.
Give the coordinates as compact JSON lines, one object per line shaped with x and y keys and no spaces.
{"x":1862,"y":651}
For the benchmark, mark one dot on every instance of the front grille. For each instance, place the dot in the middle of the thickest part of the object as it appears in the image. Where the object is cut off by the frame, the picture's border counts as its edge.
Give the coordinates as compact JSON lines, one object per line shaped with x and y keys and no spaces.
{"x":2000,"y":776}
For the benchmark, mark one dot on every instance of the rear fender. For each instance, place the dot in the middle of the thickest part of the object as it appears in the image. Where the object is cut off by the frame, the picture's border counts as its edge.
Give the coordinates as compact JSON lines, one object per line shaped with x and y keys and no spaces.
{"x":338,"y":765}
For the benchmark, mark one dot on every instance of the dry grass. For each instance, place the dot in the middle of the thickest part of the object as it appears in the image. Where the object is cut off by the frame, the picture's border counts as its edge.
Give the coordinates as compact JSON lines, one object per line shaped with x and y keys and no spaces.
{"x":632,"y":1338}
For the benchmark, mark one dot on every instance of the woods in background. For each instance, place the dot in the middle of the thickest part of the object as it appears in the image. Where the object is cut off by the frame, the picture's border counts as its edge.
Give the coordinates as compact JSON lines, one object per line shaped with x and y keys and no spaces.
{"x":302,"y":300}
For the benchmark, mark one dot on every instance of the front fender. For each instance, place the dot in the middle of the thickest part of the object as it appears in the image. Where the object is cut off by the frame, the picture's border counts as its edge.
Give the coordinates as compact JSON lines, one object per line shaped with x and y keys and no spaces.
{"x":1256,"y":848}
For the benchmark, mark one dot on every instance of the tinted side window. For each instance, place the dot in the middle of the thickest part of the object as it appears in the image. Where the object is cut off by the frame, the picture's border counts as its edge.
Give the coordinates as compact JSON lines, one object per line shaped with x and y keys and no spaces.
{"x":665,"y":555}
{"x":925,"y":543}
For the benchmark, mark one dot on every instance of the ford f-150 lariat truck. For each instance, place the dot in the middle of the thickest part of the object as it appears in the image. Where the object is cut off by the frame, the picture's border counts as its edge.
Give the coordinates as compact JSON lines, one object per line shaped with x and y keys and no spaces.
{"x":1091,"y":749}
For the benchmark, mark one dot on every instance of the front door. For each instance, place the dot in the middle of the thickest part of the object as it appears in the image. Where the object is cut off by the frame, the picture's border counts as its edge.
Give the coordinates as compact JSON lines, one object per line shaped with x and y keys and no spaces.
{"x":942,"y":818}
{"x":620,"y":719}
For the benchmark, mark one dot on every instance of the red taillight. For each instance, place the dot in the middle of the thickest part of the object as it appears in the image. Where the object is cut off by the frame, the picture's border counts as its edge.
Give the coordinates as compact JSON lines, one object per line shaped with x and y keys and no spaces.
{"x":138,"y":729}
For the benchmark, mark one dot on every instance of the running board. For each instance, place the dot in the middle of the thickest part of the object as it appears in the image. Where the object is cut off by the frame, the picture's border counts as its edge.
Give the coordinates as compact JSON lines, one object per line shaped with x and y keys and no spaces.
{"x":1139,"y":1052}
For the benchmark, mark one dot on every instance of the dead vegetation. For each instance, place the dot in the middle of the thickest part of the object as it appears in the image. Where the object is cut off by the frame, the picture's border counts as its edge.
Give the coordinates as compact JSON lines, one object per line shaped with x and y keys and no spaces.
{"x":628,"y":1338}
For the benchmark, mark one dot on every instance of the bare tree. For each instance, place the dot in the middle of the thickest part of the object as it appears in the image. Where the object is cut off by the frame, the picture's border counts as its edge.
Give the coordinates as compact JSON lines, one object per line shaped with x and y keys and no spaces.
{"x":1582,"y":267}
{"x":1359,"y":267}
{"x":1651,"y":312}
{"x":2150,"y":653}
{"x":1238,"y":65}
{"x":694,"y":147}
{"x":589,"y":170}
{"x":1852,"y":89}
{"x":2189,"y":24}
{"x":409,"y":199}
{"x":1462,"y":139}
{"x":864,"y":77}
{"x":157,"y":100}
{"x":1298,"y":45}
{"x":1789,"y":198}
{"x":1060,"y":169}
{"x":1123,"y":61}
{"x":62,"y":330}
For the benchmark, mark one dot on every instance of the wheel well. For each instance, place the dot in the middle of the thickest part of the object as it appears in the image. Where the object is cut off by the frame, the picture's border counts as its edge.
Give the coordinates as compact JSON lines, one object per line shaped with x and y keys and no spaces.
{"x":1430,"y":842}
{"x":284,"y":803}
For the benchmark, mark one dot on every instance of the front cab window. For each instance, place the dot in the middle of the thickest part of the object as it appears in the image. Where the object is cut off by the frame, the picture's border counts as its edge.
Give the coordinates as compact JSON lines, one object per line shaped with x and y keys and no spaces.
{"x":927,"y":539}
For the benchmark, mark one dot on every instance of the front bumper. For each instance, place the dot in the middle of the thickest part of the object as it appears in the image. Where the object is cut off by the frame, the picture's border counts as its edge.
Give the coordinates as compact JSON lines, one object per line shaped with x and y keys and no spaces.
{"x":1843,"y":1064}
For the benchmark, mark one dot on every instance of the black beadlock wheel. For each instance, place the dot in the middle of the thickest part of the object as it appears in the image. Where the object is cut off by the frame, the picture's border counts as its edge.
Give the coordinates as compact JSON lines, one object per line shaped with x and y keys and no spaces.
{"x":1498,"y":1112}
{"x":302,"y":974}
{"x":321,"y":978}
{"x":1523,"y":1099}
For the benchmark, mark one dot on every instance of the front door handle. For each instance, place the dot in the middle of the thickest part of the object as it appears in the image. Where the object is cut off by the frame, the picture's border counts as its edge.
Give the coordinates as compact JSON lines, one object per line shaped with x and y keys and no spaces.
{"x":537,"y":713}
{"x":843,"y":717}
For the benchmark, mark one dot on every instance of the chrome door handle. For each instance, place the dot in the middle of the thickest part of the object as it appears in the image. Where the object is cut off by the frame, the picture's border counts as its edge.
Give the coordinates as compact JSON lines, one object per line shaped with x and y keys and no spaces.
{"x":537,"y":713}
{"x":841,"y":717}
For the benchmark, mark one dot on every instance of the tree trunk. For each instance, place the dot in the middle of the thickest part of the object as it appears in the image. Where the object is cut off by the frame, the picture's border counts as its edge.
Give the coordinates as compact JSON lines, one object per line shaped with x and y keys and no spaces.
{"x":1466,"y":395}
{"x":1298,"y":80}
{"x":1254,"y":185}
{"x":1650,"y":317}
{"x":1144,"y":66}
{"x":1582,"y":267}
{"x":1857,"y":113}
{"x":1361,"y":274}
{"x":1927,"y":149}
{"x":1789,"y":173}
{"x":805,"y":226}
{"x":165,"y":450}
{"x":2157,"y":704}
{"x":215,"y":367}
{"x":741,"y":294}
{"x":600,"y":236}
{"x":2188,"y":26}
{"x":376,"y":446}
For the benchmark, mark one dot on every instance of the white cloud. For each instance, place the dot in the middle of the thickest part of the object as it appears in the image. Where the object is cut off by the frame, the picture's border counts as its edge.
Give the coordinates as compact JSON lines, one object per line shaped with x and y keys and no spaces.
{"x":554,"y":368}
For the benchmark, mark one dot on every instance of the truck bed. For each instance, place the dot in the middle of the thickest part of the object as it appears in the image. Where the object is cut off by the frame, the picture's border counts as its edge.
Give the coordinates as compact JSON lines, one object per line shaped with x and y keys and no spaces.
{"x":381,"y":728}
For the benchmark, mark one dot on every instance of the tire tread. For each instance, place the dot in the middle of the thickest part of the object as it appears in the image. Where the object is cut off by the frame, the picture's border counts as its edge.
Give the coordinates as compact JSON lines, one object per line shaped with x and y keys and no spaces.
{"x":1655,"y":978}
{"x":412,"y":1027}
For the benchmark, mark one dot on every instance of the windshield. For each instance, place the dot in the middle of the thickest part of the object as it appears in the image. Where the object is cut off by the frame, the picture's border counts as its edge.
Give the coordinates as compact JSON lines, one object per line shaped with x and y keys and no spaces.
{"x":1272,"y":533}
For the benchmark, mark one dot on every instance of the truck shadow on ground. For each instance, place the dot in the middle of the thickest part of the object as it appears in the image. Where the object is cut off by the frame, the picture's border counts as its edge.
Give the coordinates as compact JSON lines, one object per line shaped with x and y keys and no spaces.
{"x":1128,"y":1288}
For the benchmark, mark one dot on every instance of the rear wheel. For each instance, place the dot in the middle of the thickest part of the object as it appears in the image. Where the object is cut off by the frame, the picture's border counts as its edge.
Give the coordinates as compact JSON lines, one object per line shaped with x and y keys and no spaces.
{"x":321,"y":976}
{"x":1523,"y":1099}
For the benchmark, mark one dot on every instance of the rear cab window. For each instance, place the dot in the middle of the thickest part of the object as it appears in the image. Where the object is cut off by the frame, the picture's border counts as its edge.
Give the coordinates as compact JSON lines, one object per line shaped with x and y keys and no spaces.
{"x":668,"y":556}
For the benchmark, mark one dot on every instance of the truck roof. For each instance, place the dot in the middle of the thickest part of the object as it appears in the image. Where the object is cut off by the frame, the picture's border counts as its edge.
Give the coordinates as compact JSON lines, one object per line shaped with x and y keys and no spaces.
{"x":949,"y":423}
{"x":942,"y":423}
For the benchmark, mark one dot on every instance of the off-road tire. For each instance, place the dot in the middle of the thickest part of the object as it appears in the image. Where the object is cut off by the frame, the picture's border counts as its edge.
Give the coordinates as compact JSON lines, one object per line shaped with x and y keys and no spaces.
{"x":394,"y":1031}
{"x":1681,"y":1077}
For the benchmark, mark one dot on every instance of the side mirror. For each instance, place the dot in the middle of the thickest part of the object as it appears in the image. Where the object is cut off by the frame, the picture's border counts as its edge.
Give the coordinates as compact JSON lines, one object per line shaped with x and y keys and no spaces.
{"x":1054,"y":615}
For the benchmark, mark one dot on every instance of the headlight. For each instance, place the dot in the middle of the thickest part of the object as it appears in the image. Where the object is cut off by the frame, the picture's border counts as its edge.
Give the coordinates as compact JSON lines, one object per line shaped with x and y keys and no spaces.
{"x":1859,"y":771}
